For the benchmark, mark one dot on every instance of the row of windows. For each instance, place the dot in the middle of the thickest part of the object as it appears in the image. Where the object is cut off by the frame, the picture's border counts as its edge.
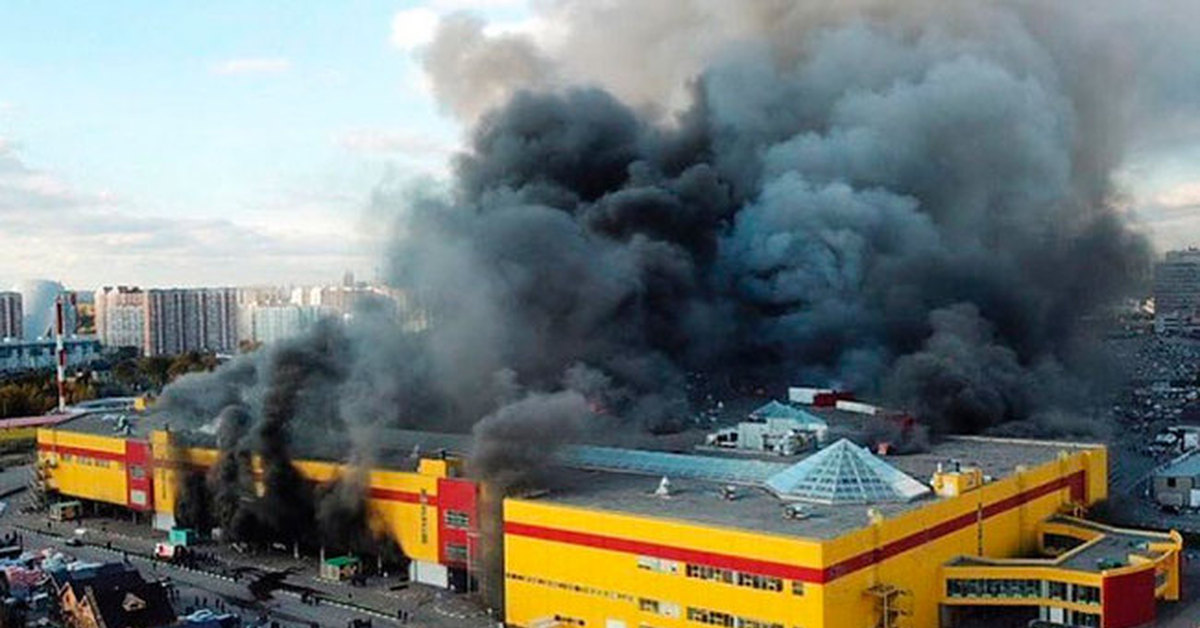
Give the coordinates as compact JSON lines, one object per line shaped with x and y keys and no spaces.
{"x":729,"y":576}
{"x":88,"y":461}
{"x":717,"y":574}
{"x":648,"y":605}
{"x":717,"y":618}
{"x":1088,"y":620}
{"x":567,"y":586}
{"x":457,"y":519}
{"x":1022,"y":588}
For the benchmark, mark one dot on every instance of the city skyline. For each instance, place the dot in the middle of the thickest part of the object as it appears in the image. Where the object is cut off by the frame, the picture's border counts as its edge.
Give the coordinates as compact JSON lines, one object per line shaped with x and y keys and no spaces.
{"x":243,"y":146}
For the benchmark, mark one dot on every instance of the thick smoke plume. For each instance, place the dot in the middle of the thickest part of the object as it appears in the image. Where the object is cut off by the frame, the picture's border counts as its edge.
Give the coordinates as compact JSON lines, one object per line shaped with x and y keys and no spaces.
{"x":300,"y":381}
{"x":912,"y":200}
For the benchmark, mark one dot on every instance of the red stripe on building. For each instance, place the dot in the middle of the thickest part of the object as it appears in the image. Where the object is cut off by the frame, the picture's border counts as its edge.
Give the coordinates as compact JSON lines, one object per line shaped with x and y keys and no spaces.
{"x":82,"y":451}
{"x":724,"y":561}
{"x":383,"y":494}
{"x":950,"y":526}
{"x":407,"y":497}
{"x":794,"y":572}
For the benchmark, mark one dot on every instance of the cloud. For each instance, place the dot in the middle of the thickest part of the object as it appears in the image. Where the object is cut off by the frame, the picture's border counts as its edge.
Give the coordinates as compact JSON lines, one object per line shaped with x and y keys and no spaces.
{"x":24,"y":188}
{"x":252,"y":66}
{"x":414,"y":28}
{"x":1181,"y":195}
{"x":87,"y":239}
{"x":394,"y":142}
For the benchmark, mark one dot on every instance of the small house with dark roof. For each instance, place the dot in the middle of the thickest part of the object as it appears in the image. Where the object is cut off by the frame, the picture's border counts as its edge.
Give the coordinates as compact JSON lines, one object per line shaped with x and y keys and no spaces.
{"x":115,"y":599}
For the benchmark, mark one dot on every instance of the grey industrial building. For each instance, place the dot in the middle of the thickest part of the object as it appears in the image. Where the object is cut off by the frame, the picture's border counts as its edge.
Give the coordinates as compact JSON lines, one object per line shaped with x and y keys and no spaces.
{"x":1177,"y":485}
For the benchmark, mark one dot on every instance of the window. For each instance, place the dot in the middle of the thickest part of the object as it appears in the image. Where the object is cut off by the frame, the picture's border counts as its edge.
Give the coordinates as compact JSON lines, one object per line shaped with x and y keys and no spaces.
{"x":1170,"y":482}
{"x":1085,"y":594}
{"x":137,"y":472}
{"x":659,"y":565}
{"x":718,"y":618}
{"x":456,"y":553}
{"x":457,"y":519}
{"x":729,"y":576}
{"x":797,"y":587}
{"x":666,"y":609}
{"x":1086,"y":619}
{"x":998,"y":588}
{"x":1058,"y":590}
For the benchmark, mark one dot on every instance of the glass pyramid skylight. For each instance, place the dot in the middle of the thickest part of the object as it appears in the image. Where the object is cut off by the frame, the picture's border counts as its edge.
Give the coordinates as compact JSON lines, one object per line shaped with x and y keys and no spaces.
{"x":775,"y":410}
{"x":844,"y":473}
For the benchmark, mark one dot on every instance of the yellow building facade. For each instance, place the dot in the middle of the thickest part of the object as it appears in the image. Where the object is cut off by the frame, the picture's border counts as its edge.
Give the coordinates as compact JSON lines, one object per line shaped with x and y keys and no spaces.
{"x":607,"y":550}
{"x":430,"y":511}
{"x":568,"y":565}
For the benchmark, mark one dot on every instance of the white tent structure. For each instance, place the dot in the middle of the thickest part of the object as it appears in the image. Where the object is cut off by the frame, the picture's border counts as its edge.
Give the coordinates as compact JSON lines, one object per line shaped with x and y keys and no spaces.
{"x":845,"y":473}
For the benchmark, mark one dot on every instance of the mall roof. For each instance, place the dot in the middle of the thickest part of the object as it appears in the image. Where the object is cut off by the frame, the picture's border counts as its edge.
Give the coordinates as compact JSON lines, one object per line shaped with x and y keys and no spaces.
{"x":700,"y":499}
{"x":776,"y":410}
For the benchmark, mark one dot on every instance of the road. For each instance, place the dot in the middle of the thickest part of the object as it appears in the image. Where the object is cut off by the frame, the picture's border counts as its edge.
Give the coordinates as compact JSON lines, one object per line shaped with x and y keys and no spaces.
{"x":194,"y":587}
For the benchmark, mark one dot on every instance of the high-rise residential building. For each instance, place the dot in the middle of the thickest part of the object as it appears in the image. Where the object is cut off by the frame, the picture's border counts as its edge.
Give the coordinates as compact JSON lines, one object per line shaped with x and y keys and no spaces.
{"x":1177,"y":290}
{"x":12,"y":318}
{"x":121,"y":316}
{"x":182,"y":320}
{"x":263,"y":295}
{"x":220,"y":316}
{"x":271,"y":323}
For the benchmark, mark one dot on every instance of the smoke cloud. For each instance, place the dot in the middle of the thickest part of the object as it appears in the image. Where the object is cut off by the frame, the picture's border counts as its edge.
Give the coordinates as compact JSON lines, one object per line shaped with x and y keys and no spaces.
{"x":913,"y":201}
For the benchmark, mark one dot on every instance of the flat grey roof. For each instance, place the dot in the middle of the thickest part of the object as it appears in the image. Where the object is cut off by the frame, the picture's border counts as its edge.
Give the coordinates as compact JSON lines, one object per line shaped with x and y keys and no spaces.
{"x":105,"y":423}
{"x":1110,"y":551}
{"x":699,"y":501}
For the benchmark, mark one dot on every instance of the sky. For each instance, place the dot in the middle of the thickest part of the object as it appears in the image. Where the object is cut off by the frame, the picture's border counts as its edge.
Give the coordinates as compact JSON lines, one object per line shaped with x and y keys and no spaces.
{"x":210,"y":143}
{"x":163,"y":143}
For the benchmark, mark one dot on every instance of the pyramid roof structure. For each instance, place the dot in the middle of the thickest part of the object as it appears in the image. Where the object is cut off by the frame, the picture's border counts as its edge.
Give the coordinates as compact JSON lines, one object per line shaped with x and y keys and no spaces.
{"x":775,"y":410}
{"x":844,"y":473}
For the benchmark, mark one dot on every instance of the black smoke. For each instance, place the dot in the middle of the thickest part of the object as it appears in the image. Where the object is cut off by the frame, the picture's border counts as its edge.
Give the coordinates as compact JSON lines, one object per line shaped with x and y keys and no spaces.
{"x":255,"y":432}
{"x":852,"y":244}
{"x":914,"y":202}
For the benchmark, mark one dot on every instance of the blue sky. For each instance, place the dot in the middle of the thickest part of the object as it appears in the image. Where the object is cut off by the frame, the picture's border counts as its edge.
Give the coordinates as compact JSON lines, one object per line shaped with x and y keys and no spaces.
{"x":256,"y":124}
